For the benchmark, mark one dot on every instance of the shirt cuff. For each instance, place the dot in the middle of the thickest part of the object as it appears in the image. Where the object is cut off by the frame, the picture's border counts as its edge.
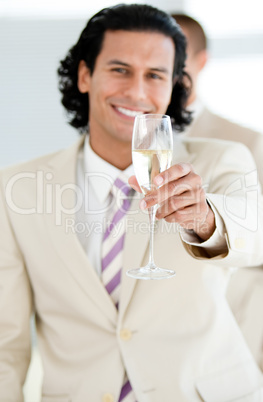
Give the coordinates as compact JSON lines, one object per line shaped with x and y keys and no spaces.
{"x":216,"y":244}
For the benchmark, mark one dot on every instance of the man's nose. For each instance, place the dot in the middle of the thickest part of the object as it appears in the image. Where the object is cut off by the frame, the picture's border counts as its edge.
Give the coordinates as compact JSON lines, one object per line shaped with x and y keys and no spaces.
{"x":136,"y":88}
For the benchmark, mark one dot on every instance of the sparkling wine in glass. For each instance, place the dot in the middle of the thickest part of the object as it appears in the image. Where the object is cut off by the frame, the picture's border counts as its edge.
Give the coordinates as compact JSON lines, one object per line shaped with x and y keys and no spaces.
{"x":152,"y":147}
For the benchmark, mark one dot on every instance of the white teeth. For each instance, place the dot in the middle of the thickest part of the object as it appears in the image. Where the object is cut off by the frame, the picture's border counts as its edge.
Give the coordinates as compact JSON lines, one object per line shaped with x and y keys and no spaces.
{"x":128,"y":112}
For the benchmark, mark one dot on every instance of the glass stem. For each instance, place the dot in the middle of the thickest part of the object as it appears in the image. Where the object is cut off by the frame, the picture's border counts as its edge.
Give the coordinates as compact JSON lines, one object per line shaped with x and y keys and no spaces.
{"x":152,"y":213}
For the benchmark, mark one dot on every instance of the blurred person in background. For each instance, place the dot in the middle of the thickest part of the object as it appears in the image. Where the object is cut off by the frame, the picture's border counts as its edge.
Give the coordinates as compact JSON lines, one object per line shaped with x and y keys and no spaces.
{"x":102,"y":335}
{"x":245,"y":290}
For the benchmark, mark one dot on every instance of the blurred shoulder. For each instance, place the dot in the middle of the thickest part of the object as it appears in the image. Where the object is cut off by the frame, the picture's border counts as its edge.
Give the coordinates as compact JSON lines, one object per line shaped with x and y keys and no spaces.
{"x":209,"y":151}
{"x":45,"y":161}
{"x":215,"y":145}
{"x":216,"y":126}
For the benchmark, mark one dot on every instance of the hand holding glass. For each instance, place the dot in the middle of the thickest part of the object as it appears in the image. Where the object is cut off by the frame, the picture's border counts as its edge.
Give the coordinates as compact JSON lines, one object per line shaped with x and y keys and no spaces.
{"x":152,"y":147}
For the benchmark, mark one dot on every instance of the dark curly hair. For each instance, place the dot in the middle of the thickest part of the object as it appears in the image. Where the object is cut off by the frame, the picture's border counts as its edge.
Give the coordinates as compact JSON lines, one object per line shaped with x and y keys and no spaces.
{"x":132,"y":17}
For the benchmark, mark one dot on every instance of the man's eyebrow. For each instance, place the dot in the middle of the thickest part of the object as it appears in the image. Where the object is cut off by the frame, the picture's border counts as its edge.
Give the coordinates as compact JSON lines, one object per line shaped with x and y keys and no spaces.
{"x":116,"y":61}
{"x":156,"y":69}
{"x":160,"y":70}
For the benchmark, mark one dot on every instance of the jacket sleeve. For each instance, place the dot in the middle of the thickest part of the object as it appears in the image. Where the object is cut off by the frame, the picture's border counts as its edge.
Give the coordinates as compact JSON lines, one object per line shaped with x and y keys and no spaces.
{"x":15,"y":312}
{"x":234,"y":192}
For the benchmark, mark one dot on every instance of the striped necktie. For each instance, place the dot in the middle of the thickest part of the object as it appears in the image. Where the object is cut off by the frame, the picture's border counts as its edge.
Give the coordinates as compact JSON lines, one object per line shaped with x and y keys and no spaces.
{"x":112,"y":255}
{"x":113,"y":239}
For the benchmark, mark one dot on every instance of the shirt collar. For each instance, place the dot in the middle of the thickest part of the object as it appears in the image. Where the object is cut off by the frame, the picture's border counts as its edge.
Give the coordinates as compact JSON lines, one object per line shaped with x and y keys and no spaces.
{"x":101,"y":174}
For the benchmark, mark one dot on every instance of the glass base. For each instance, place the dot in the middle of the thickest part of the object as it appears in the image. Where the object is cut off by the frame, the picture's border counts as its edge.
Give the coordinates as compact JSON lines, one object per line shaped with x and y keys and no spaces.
{"x":150,"y":272}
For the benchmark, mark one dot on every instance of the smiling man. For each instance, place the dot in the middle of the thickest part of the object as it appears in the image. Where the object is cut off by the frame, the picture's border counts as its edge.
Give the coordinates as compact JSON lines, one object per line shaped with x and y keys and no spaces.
{"x":129,"y":79}
{"x":71,"y":227}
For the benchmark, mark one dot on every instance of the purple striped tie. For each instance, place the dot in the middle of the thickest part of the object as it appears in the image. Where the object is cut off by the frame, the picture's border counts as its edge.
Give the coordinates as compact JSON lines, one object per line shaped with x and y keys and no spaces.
{"x":112,"y":248}
{"x":113,"y":240}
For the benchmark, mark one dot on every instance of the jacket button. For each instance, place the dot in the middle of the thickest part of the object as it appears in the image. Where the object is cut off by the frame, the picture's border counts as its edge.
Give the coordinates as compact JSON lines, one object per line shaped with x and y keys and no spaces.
{"x":107,"y":398}
{"x":125,"y":334}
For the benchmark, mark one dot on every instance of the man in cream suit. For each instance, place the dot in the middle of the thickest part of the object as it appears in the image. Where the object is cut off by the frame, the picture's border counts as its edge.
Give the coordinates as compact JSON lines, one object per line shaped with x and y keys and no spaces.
{"x":171,"y":340}
{"x":245,"y":290}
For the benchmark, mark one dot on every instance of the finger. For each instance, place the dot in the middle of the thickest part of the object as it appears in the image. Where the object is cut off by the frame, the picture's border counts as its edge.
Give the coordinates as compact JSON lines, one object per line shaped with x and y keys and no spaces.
{"x":192,"y":183}
{"x":189,"y":183}
{"x":134,"y":184}
{"x":175,"y":172}
{"x":187,"y":217}
{"x":174,"y":204}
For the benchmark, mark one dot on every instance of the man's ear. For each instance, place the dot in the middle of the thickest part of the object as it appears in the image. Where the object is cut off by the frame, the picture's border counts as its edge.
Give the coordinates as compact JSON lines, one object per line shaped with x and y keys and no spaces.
{"x":202,"y":59}
{"x":83,"y":77}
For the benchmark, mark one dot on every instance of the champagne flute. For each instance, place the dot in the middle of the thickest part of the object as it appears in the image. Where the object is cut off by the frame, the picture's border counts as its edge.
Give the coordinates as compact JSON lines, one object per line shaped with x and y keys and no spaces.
{"x":152,"y":147}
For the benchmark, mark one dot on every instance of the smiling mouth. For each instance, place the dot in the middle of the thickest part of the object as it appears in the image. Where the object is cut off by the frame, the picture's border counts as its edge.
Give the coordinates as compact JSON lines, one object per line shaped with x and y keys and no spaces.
{"x":129,"y":112}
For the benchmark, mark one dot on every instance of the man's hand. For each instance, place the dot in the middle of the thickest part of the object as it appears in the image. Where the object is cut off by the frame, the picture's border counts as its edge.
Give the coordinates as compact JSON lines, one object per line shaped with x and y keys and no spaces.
{"x":182,"y":199}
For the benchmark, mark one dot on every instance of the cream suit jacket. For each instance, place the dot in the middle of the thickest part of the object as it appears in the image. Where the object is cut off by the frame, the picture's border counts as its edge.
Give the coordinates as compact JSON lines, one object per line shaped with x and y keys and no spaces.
{"x":176,"y":338}
{"x":245,"y":289}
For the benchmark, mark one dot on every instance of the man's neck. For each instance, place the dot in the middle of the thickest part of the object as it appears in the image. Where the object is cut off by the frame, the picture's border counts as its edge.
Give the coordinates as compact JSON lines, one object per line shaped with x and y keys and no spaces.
{"x":116,"y":153}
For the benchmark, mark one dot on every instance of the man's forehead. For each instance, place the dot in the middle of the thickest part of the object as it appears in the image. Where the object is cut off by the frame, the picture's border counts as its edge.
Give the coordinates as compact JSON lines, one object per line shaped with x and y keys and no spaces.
{"x":117,"y":40}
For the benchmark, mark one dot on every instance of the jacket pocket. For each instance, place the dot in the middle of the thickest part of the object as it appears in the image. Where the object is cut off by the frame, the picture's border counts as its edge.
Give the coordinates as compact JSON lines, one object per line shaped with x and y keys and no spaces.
{"x":55,"y":398}
{"x":238,"y":383}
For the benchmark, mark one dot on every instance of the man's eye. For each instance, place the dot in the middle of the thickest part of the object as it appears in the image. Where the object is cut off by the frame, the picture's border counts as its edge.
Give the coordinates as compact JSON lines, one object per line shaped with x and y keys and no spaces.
{"x":120,"y":70}
{"x":155,"y":76}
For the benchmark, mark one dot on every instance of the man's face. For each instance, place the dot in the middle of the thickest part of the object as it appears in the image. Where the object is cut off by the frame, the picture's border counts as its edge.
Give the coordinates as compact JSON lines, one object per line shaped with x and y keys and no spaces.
{"x":132,"y":75}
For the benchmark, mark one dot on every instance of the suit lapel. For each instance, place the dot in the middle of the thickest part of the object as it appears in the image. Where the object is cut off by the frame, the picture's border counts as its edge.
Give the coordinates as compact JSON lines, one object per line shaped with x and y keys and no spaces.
{"x":60,"y":225}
